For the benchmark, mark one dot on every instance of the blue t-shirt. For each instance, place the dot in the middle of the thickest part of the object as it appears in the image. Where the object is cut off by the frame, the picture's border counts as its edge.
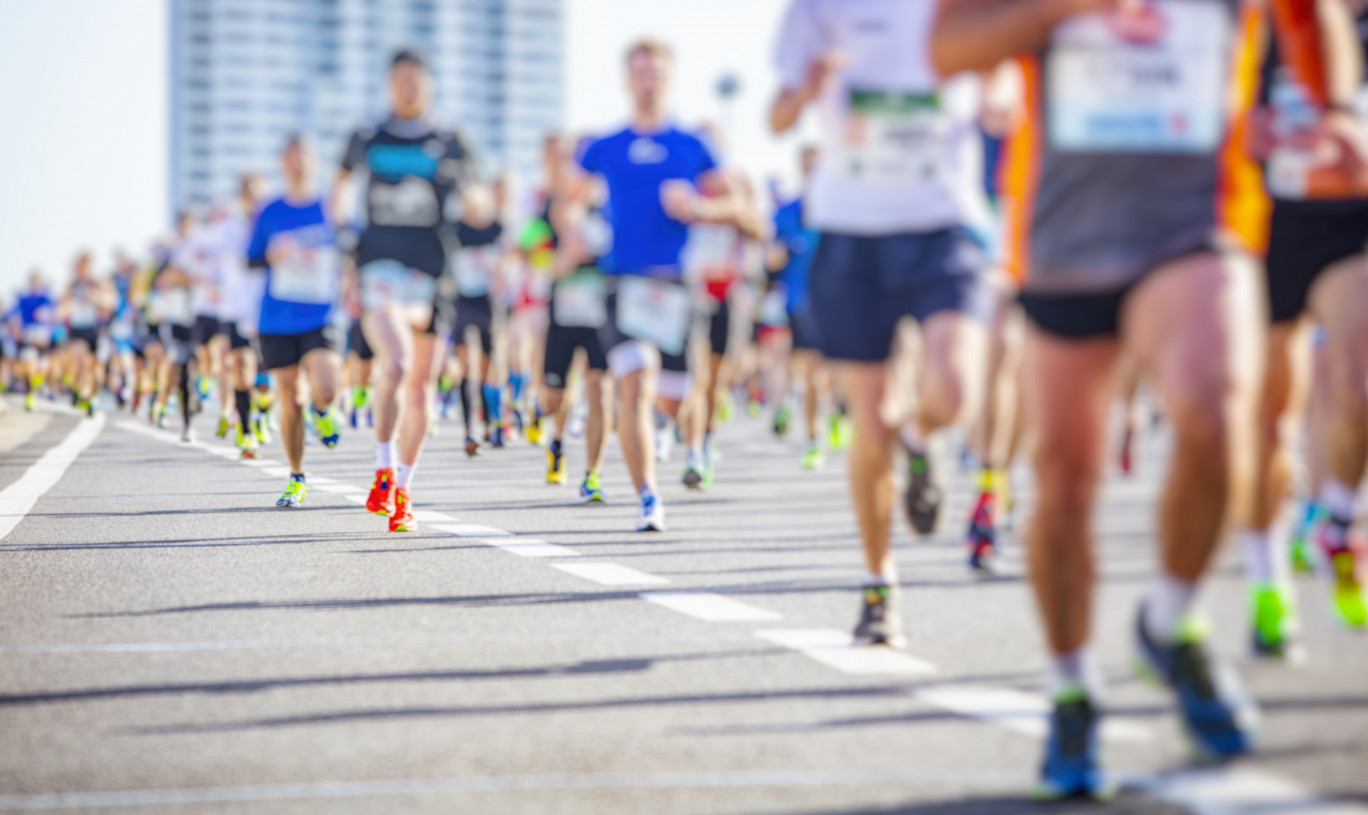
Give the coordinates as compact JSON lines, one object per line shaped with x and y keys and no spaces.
{"x":800,"y":242}
{"x":634,"y":166}
{"x":36,"y":308}
{"x":300,"y":295}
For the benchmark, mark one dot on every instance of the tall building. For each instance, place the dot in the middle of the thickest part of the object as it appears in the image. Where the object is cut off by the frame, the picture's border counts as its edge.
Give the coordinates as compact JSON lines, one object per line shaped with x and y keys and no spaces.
{"x":246,"y":73}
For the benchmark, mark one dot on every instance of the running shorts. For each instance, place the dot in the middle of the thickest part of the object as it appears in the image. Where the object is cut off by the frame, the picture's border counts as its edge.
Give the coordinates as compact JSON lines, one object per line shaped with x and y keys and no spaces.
{"x":284,"y":350}
{"x":1305,"y":239}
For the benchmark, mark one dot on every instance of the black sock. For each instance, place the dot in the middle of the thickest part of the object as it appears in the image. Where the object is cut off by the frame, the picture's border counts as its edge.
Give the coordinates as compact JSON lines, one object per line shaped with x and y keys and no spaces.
{"x":461,"y":393}
{"x":484,"y":406}
{"x":243,"y":401}
{"x":185,"y":387}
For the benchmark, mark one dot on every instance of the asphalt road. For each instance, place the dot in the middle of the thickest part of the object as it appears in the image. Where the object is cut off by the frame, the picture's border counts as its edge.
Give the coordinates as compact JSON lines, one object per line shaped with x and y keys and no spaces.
{"x":172,"y":642}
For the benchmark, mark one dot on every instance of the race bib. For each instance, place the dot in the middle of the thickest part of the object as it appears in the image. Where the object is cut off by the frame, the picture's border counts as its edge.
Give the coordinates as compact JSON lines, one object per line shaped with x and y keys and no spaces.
{"x":411,"y":202}
{"x":581,"y":301}
{"x":121,"y":329}
{"x":84,"y":314}
{"x":1151,"y":82}
{"x":307,"y":274}
{"x":472,"y":271}
{"x":656,"y":311}
{"x":38,"y":335}
{"x":774,"y":308}
{"x":712,"y":250}
{"x":892,"y":139}
{"x":387,"y":283}
{"x":175,"y":306}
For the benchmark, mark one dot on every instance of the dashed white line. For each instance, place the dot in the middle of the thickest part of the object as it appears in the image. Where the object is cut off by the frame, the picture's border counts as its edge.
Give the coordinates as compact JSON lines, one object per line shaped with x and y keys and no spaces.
{"x":1233,"y":791}
{"x":1017,"y":710}
{"x":713,"y":608}
{"x":610,"y":574}
{"x":530,"y":547}
{"x":471,"y":530}
{"x":423,"y":516}
{"x":836,"y":649}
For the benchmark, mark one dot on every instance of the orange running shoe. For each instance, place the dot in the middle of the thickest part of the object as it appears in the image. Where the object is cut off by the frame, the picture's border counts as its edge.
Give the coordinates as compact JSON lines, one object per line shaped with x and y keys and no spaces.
{"x":401,"y":520}
{"x":381,"y":500}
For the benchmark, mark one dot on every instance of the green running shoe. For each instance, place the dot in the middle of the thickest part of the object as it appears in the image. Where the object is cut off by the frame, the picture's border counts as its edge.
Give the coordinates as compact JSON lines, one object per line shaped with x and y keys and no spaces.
{"x":591,"y":491}
{"x":781,"y":421}
{"x":813,"y":459}
{"x":839,"y":431}
{"x":328,"y":426}
{"x":1275,"y":629}
{"x":294,"y":493}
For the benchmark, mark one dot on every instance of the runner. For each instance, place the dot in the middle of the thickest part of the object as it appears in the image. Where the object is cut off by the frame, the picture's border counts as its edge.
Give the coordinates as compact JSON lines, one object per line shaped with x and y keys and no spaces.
{"x":478,"y":270}
{"x":1138,"y":244}
{"x":655,"y":173}
{"x":126,"y":363}
{"x":577,"y":313}
{"x":792,"y":250}
{"x":1317,"y":271}
{"x":293,"y":242}
{"x":86,"y":301}
{"x":176,"y":297}
{"x":37,"y":317}
{"x":239,"y":307}
{"x":420,"y":182}
{"x":895,"y":242}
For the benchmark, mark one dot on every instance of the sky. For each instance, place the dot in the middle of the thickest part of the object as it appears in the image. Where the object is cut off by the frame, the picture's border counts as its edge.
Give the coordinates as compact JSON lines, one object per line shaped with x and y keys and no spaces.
{"x":83,"y":152}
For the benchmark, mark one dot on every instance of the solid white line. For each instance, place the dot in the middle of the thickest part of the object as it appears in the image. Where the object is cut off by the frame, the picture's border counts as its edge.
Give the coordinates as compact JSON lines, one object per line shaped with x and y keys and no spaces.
{"x":609,"y":574}
{"x":531,"y":547}
{"x":836,"y":649}
{"x":713,"y":608}
{"x":509,"y":783}
{"x":18,"y":498}
{"x":470,"y":530}
{"x":1234,"y":791}
{"x":1018,"y":711}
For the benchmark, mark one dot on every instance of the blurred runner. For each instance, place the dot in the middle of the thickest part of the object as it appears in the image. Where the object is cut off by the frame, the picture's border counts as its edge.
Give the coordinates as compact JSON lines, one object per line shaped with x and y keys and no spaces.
{"x":895,"y":194}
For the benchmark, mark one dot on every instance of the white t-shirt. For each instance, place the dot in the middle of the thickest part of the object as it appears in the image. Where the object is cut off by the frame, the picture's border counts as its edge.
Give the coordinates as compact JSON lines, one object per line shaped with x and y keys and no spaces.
{"x":197,"y":256}
{"x":242,"y":288}
{"x":901,"y":151}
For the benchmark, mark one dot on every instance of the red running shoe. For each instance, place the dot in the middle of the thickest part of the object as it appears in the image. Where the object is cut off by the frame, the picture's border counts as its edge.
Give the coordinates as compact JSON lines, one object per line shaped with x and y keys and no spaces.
{"x":381,"y":500}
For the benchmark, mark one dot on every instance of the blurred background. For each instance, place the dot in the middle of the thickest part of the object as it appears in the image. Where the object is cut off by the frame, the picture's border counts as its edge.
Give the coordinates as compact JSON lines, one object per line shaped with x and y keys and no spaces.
{"x":121,"y":112}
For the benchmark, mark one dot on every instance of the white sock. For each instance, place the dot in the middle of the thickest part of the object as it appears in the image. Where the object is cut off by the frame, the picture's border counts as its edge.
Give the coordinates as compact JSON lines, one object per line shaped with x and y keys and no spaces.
{"x":1168,"y":602}
{"x":1266,"y":560}
{"x":1337,"y":498}
{"x":384,"y":455}
{"x":876,"y":579}
{"x":1077,"y":669}
{"x":912,"y":438}
{"x":403,"y":475}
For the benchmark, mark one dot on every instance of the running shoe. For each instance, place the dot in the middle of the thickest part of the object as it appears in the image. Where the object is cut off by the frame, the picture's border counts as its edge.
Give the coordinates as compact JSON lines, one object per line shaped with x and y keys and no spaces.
{"x":294,"y":493}
{"x":352,"y":417}
{"x":880,"y":617}
{"x":496,"y":437}
{"x":1274,"y":634}
{"x":163,"y":417}
{"x":401,"y":520}
{"x":781,"y":421}
{"x":261,"y":429}
{"x":533,"y":431}
{"x":1072,"y":768}
{"x":1303,"y":557}
{"x":555,"y":464}
{"x":693,"y":472}
{"x":726,"y":406}
{"x":1344,"y":560}
{"x":922,"y":498}
{"x":754,"y":408}
{"x":839,"y":431}
{"x":223,"y":426}
{"x":472,"y":447}
{"x":981,"y":540}
{"x":1218,"y":718}
{"x":664,"y":445}
{"x":813,"y":459}
{"x":651,"y":518}
{"x":30,"y":401}
{"x":590,"y":491}
{"x":381,"y":500}
{"x":188,"y":435}
{"x":328,"y":426}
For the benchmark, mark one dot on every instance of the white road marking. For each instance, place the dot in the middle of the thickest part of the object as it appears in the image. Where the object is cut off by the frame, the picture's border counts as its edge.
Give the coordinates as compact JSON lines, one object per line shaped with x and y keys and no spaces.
{"x":338,"y":489}
{"x":531,"y":547}
{"x":321,"y":480}
{"x":1235,"y":791}
{"x":510,"y":783}
{"x":471,"y":530}
{"x":277,"y":472}
{"x":431,"y":516}
{"x":609,"y":574}
{"x":18,"y":498}
{"x":836,"y":649}
{"x":1018,"y":711}
{"x":713,"y":608}
{"x":359,"y":497}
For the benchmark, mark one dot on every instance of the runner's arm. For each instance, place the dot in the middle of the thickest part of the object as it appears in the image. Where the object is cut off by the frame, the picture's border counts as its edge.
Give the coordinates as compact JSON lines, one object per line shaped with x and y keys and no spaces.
{"x":976,"y":35}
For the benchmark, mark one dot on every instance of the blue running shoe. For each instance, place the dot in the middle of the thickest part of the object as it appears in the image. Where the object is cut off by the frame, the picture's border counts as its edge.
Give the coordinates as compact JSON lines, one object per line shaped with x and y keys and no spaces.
{"x":1218,"y":717}
{"x":1072,"y":768}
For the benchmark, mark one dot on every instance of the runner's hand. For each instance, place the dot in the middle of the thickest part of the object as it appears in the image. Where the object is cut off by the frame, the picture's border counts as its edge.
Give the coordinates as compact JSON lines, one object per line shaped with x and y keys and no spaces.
{"x":680,"y":200}
{"x":820,"y":73}
{"x":1346,"y":145}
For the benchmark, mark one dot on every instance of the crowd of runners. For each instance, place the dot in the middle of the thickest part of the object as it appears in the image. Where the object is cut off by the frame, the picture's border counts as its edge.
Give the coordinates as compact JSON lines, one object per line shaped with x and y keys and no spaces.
{"x":1164,"y":197}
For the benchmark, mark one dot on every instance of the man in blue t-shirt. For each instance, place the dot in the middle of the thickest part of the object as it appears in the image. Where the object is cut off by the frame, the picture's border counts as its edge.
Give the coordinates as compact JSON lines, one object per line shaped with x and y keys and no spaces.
{"x":660,"y":179}
{"x":294,"y":243}
{"x":36,"y":314}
